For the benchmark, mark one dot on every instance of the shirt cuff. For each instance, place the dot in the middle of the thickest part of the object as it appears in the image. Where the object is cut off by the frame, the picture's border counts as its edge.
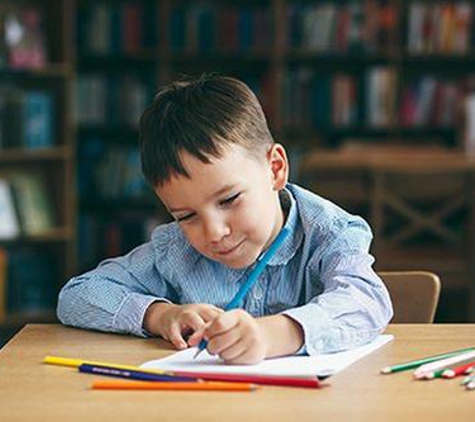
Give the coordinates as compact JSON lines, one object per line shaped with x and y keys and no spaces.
{"x":324,"y":334}
{"x":316,"y":326}
{"x":129,"y":317}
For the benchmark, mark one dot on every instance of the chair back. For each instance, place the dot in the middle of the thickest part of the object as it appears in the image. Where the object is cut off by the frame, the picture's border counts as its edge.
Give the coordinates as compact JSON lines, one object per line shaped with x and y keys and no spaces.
{"x":414,"y":294}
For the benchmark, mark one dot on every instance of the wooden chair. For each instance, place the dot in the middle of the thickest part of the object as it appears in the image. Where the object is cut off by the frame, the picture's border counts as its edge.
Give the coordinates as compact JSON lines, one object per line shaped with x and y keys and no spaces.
{"x":414,"y":294}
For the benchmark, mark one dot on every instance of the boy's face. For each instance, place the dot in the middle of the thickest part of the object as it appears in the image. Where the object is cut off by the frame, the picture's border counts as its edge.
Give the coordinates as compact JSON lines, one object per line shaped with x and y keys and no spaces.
{"x":229,"y":209}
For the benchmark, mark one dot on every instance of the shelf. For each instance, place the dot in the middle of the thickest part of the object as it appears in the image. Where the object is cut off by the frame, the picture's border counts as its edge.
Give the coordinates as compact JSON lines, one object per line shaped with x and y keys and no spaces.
{"x":56,"y":235}
{"x":110,"y":134}
{"x":50,"y":71}
{"x":219,"y":56}
{"x":118,"y":206}
{"x":17,"y":155}
{"x":439,"y":58}
{"x":338,"y":58}
{"x":365,"y":131}
{"x":147,"y":58}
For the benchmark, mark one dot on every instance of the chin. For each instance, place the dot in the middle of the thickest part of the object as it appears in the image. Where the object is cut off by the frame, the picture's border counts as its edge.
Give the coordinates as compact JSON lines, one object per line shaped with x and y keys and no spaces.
{"x":239,"y":263}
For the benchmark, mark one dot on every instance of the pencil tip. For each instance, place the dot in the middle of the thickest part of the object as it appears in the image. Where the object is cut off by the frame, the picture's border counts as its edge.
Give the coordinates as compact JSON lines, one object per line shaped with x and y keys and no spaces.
{"x":386,"y":370}
{"x":197,"y":353}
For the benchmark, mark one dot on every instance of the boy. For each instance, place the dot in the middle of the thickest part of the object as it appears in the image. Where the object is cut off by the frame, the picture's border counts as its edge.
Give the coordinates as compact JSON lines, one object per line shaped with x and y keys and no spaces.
{"x":208,"y":153}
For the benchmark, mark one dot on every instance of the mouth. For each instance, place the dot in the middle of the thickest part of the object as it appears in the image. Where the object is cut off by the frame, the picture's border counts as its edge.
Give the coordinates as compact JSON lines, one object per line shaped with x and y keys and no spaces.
{"x":229,"y":251}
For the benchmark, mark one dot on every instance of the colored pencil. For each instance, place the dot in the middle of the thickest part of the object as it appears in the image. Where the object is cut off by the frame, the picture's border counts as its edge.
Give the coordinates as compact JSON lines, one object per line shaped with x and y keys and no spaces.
{"x":56,"y":360}
{"x":415,"y":363}
{"x":132,"y":374}
{"x":470,"y":385}
{"x":186,"y":386}
{"x":427,"y":371}
{"x":447,"y":370}
{"x":309,"y":382}
{"x":468,"y":379}
{"x":458,"y":370}
{"x":256,"y":272}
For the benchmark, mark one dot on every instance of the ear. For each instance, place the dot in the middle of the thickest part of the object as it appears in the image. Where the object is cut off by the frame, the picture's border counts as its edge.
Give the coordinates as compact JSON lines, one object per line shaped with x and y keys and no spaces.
{"x":277,"y":159}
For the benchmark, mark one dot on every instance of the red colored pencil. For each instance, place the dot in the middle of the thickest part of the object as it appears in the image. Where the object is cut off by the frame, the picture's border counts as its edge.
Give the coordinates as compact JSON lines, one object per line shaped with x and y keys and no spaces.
{"x":458,"y":370}
{"x":309,"y":382}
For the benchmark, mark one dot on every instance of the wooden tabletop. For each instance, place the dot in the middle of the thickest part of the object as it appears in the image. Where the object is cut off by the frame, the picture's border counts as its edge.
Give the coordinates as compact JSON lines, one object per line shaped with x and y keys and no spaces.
{"x":32,"y":391}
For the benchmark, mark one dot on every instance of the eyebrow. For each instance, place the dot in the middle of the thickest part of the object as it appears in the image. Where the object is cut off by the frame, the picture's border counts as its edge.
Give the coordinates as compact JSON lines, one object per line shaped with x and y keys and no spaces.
{"x":219,"y":192}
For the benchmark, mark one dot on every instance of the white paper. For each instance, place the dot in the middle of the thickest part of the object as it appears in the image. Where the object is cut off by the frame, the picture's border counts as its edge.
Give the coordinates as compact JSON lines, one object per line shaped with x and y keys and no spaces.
{"x":327,"y":364}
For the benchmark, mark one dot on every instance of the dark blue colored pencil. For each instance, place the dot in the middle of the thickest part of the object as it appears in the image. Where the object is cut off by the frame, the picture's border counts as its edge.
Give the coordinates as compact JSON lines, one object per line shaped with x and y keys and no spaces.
{"x":133,"y":375}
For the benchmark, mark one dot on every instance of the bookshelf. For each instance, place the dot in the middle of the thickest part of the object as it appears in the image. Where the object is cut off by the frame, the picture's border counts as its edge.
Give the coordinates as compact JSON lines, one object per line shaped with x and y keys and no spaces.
{"x":37,"y":158}
{"x":389,"y":74}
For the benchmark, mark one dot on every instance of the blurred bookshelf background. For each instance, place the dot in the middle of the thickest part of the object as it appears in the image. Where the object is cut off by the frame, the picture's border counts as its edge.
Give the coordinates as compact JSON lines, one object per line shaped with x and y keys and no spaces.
{"x":374,"y":100}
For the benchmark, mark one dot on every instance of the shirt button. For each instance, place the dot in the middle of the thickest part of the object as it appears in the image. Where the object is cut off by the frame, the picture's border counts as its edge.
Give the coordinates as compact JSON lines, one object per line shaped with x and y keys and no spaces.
{"x":257,"y":294}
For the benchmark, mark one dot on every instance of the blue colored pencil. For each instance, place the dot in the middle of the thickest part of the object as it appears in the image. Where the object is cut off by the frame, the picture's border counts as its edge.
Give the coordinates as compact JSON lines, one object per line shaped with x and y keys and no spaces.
{"x":133,"y":375}
{"x":261,"y":264}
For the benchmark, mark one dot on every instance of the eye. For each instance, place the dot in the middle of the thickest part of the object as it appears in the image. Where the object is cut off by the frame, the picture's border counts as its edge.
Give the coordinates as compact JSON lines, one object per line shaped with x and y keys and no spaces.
{"x":183,"y":218}
{"x":231,"y":199}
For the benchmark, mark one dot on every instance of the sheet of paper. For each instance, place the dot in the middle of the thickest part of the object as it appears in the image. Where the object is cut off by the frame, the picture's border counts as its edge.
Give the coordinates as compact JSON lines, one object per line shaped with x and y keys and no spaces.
{"x":327,"y":364}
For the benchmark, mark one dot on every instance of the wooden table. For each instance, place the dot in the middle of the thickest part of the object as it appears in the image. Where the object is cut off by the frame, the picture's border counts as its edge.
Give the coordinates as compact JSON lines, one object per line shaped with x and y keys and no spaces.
{"x":31,"y":391}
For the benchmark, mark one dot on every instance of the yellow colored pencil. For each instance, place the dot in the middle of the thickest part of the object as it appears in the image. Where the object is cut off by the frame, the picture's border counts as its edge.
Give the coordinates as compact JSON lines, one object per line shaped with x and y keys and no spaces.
{"x":186,"y":386}
{"x":56,"y":360}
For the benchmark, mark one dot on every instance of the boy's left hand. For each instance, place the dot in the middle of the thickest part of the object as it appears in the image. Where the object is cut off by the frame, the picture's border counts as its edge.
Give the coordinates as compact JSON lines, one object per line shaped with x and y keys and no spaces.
{"x":237,"y":337}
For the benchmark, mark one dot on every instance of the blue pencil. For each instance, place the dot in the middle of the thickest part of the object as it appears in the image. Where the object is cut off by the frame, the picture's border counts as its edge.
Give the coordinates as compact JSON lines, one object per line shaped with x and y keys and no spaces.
{"x":261,"y":264}
{"x":133,"y":375}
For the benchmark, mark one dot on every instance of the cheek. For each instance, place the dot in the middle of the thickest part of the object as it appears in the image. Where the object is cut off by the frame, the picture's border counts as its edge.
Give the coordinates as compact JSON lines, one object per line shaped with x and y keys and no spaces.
{"x":193,"y":235}
{"x":255,"y":219}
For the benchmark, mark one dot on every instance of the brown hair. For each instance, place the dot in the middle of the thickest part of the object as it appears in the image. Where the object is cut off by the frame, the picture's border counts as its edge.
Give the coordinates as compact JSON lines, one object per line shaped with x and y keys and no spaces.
{"x":202,"y":117}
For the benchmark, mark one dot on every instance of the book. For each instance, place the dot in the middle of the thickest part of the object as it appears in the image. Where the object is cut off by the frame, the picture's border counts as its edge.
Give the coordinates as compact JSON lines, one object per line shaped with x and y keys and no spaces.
{"x":9,"y":223}
{"x":33,"y":202}
{"x":25,"y":38}
{"x":38,"y":119}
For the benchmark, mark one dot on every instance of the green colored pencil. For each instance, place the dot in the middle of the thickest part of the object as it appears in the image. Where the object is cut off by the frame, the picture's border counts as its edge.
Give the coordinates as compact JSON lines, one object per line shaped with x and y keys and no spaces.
{"x":415,"y":363}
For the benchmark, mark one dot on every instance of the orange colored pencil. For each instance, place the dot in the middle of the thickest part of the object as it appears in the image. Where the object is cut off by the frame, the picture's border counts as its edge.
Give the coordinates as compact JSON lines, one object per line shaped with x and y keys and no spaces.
{"x":193,"y":386}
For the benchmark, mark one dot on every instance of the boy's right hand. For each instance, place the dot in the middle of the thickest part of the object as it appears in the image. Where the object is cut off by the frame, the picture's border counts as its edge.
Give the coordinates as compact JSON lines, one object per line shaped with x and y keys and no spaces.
{"x":173,"y":322}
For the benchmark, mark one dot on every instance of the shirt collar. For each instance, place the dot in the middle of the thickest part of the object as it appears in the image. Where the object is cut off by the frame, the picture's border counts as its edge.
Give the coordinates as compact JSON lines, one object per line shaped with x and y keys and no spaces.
{"x":292,"y":242}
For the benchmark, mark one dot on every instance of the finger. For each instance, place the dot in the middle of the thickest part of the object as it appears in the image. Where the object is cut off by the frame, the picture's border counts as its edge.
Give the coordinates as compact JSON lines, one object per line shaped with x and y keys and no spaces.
{"x":221,"y":342}
{"x":196,"y":337}
{"x":222,"y":323}
{"x":233,"y":351}
{"x":210,"y":313}
{"x":247,"y":357}
{"x":191,"y":320}
{"x":174,"y":335}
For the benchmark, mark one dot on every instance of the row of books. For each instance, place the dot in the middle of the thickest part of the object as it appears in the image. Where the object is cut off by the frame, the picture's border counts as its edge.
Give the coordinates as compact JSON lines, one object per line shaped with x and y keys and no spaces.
{"x":25,"y":280}
{"x":106,"y":28}
{"x":323,"y":101}
{"x":432,"y":101}
{"x":101,"y":237}
{"x":27,"y":118}
{"x":22,"y":36}
{"x":207,"y":28}
{"x":109,"y":171}
{"x":440,"y":27}
{"x":26,"y":208}
{"x":340,"y":27}
{"x":113,"y":100}
{"x":313,"y":99}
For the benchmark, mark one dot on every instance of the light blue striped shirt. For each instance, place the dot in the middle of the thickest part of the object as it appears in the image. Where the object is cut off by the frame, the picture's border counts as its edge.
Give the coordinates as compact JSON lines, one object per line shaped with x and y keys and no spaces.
{"x":321,"y":277}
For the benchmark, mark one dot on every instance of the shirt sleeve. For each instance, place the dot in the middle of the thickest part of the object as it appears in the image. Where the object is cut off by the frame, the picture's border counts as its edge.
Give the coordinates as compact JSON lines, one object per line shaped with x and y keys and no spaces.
{"x":354,"y":306}
{"x":114,"y":296}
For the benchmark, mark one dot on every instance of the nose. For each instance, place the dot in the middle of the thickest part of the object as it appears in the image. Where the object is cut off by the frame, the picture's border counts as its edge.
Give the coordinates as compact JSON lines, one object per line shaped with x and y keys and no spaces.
{"x":215,"y":229}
